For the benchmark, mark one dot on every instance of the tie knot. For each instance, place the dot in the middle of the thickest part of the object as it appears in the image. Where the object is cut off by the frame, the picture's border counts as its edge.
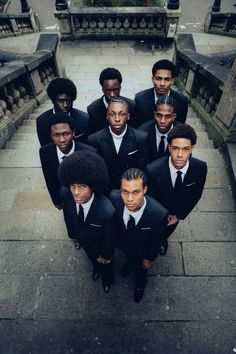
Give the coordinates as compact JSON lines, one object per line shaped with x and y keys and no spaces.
{"x":163,"y":137}
{"x":179,"y":173}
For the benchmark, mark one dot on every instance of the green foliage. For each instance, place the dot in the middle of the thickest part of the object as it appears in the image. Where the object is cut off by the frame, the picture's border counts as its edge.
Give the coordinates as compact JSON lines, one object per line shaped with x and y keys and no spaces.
{"x":117,"y":3}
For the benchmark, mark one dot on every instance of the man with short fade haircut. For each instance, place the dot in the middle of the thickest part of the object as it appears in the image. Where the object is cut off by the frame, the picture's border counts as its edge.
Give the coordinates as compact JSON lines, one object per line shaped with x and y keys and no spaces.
{"x":110,"y":80}
{"x":62,"y":131}
{"x":158,"y":129}
{"x":120,"y":145}
{"x":177,"y":181}
{"x":62,"y":92}
{"x":163,"y":74}
{"x":141,"y":223}
{"x":88,"y":214}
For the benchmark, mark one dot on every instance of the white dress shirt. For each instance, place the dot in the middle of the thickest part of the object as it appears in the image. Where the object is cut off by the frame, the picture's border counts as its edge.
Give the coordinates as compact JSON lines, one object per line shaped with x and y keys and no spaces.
{"x":61,"y":155}
{"x":136,"y":214}
{"x":86,"y":206}
{"x":117,"y":139}
{"x":173,"y":171}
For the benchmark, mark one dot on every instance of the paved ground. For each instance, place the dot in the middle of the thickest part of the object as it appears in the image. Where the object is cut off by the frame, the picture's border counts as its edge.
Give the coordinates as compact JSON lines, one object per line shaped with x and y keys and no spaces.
{"x":48,"y":302}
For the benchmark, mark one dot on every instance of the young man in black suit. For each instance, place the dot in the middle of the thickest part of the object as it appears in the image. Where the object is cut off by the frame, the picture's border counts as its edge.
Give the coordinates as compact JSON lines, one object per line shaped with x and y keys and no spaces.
{"x":88,"y":214}
{"x":158,"y":129}
{"x":62,"y":132}
{"x":177,"y":181}
{"x":110,"y":80}
{"x":163,"y":74}
{"x":120,"y":145}
{"x":141,"y":223}
{"x":62,"y":92}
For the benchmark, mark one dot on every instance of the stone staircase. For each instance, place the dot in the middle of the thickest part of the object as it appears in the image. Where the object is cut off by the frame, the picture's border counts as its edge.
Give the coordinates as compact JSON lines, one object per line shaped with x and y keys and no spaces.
{"x":46,"y":284}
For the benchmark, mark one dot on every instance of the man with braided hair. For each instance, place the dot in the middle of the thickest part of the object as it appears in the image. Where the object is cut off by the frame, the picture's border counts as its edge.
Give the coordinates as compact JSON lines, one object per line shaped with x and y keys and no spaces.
{"x":62,"y":92}
{"x":88,"y":214}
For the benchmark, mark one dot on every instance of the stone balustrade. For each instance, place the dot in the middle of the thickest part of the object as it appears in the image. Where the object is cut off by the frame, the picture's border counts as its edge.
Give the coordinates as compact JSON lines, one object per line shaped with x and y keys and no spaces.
{"x":221,"y":23}
{"x":15,"y":25}
{"x":204,"y":80}
{"x":23,"y":84}
{"x":124,"y":22}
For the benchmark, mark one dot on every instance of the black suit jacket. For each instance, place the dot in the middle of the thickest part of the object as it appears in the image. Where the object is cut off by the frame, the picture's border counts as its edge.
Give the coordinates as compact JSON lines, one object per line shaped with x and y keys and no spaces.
{"x":160,"y":185}
{"x":145,"y":105}
{"x":50,"y":164}
{"x":80,"y":119}
{"x":97,"y":114}
{"x":131,"y":153}
{"x":96,"y":234}
{"x":145,"y":240}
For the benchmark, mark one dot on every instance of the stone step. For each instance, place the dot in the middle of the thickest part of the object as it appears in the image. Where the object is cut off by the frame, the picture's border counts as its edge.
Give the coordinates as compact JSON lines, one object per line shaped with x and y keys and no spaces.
{"x":23,"y":145}
{"x":23,"y":178}
{"x":203,"y":141}
{"x":16,"y":158}
{"x":212,"y":157}
{"x":29,"y":122}
{"x":25,"y":137}
{"x":27,"y":129}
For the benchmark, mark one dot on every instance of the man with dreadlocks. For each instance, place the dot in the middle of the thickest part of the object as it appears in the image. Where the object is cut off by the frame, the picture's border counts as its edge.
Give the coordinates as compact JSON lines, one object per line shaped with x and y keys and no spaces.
{"x":88,"y":214}
{"x":62,"y":92}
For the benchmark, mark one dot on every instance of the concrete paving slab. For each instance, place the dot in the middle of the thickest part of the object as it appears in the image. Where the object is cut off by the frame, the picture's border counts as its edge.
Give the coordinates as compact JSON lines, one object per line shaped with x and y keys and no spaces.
{"x":23,"y":145}
{"x":113,"y":337}
{"x":7,"y":199}
{"x":166,"y":298}
{"x":207,"y":226}
{"x":216,"y":200}
{"x":25,"y":137}
{"x":17,"y":296}
{"x":15,"y":158}
{"x":27,"y":129}
{"x":17,"y":225}
{"x":182,"y":232}
{"x":42,"y":258}
{"x":209,"y":258}
{"x":171,"y":265}
{"x":53,"y":217}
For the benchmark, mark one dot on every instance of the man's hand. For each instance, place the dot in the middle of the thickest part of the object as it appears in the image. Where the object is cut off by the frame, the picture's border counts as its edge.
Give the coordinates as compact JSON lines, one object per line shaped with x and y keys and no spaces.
{"x":172,"y":220}
{"x":102,"y":260}
{"x":146,"y":263}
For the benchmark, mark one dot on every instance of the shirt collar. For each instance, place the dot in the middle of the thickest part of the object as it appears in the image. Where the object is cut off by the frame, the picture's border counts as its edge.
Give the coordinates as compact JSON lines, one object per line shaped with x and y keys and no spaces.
{"x":118,"y":136}
{"x":174,"y":170}
{"x":136,"y":214}
{"x":61,"y":155}
{"x":155,"y":94}
{"x":86,"y":206}
{"x":105,"y":102}
{"x":161,"y":134}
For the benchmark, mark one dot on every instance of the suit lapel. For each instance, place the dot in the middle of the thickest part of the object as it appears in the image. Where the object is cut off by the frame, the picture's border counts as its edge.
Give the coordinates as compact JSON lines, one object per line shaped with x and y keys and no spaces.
{"x":127,"y":146}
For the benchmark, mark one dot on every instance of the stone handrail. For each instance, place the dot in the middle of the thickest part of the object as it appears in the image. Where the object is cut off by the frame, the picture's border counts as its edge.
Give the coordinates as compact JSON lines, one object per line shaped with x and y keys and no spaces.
{"x":23,"y":84}
{"x":204,"y":80}
{"x":221,"y":23}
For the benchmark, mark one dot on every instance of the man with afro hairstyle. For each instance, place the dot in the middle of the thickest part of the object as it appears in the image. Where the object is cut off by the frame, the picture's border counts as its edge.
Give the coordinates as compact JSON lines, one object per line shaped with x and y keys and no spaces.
{"x":88,"y":214}
{"x":110,"y":80}
{"x":62,"y":92}
{"x":163,"y":74}
{"x":177,"y":181}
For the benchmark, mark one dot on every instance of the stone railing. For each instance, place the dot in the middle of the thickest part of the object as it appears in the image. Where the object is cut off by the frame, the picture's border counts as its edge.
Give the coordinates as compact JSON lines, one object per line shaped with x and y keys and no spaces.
{"x":204,"y":80}
{"x":125,"y":22}
{"x":221,"y":23}
{"x":14,"y":25}
{"x":23,"y":84}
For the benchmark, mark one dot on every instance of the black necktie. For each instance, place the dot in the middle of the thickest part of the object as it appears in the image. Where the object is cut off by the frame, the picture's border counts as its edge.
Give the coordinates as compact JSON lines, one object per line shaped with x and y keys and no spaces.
{"x":161,"y":148}
{"x":81,"y":213}
{"x":178,"y":182}
{"x":131,"y":223}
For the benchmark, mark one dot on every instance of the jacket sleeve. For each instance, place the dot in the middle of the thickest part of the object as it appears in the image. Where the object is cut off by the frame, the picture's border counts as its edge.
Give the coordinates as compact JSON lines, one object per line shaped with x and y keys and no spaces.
{"x":110,"y":228}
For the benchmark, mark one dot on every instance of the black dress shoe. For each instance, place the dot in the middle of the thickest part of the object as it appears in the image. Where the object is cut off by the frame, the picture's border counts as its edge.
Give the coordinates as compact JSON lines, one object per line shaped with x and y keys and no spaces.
{"x":138,"y":294}
{"x":95,"y":275}
{"x":77,"y":246}
{"x":163,"y":248}
{"x":106,"y":288}
{"x":126,"y":270}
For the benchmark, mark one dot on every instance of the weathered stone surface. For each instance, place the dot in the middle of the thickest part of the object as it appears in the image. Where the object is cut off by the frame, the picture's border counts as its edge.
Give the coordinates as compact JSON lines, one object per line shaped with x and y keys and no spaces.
{"x":21,"y":178}
{"x":33,"y":200}
{"x":216,"y":200}
{"x":217,"y":178}
{"x":28,"y":159}
{"x":209,"y":258}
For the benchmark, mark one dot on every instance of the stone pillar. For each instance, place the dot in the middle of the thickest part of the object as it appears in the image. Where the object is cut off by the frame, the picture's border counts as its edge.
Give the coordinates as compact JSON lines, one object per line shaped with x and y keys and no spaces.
{"x":226,"y":110}
{"x":24,"y":6}
{"x":216,"y":6}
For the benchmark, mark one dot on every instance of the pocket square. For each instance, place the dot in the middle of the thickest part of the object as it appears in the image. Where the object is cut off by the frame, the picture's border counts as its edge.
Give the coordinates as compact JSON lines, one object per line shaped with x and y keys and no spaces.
{"x":145,"y":228}
{"x":132,"y":152}
{"x":188,"y":185}
{"x":79,"y":135}
{"x":95,"y":225}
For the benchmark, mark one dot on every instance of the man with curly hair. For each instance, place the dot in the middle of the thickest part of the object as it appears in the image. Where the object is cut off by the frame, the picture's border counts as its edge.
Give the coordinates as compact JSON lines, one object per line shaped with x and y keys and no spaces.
{"x":62,"y":92}
{"x":88,"y":214}
{"x":177,"y":181}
